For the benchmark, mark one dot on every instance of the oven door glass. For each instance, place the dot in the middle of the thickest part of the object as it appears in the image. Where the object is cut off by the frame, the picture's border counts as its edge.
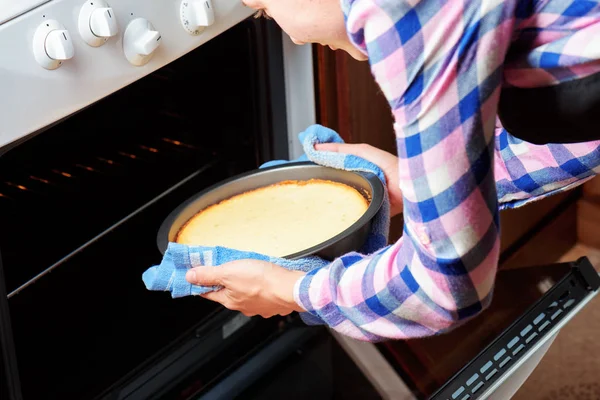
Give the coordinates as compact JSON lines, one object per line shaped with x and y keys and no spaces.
{"x":81,"y":203}
{"x":316,"y":368}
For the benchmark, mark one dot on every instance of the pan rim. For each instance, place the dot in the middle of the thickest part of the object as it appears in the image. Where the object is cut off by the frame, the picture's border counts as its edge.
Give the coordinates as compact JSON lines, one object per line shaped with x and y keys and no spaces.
{"x":377,"y":198}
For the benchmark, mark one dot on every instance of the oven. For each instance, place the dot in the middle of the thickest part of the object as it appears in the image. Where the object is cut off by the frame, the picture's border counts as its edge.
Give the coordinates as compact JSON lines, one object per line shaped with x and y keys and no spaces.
{"x":102,"y":136}
{"x":97,"y":146}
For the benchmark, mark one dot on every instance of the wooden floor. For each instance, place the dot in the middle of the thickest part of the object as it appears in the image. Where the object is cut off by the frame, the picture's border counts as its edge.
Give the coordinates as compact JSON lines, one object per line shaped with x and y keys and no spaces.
{"x":571,"y":368}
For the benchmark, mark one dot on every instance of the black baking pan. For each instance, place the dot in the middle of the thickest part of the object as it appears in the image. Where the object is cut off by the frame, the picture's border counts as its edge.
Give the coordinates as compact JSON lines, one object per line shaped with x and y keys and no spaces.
{"x":351,"y":239}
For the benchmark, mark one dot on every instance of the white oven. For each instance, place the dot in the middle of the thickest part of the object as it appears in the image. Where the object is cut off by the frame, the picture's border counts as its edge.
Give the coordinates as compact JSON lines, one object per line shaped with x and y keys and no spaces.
{"x":59,"y":56}
{"x":111,"y":114}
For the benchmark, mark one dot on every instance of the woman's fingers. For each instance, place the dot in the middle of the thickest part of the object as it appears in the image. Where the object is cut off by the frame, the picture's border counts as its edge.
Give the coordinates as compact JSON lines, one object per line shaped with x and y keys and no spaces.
{"x":379,"y":157}
{"x":218,"y":296}
{"x":384,"y":160}
{"x":359,"y":150}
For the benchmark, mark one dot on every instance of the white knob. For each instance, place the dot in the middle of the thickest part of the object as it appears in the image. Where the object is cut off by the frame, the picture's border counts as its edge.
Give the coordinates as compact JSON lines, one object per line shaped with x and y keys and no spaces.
{"x":102,"y":22}
{"x":196,"y":15}
{"x":97,"y":22}
{"x":59,"y":45}
{"x":146,"y":43}
{"x":140,"y":40}
{"x":52,"y":44}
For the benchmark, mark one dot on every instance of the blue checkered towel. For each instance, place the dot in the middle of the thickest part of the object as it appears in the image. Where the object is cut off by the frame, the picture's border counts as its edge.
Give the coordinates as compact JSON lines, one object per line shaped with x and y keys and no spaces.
{"x":169,"y":275}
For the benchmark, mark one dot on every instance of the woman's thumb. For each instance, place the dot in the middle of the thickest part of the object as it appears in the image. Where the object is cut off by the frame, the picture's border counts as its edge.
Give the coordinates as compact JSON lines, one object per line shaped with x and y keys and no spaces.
{"x":205,"y":276}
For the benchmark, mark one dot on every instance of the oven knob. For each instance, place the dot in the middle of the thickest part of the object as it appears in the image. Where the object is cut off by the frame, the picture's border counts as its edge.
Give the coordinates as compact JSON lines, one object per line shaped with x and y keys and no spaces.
{"x":196,"y":15}
{"x":97,"y":22}
{"x":52,"y":44}
{"x":139,"y":41}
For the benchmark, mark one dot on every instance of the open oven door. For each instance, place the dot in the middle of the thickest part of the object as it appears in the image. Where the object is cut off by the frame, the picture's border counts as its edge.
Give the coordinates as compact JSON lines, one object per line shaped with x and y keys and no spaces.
{"x":491,"y":356}
{"x":499,"y":370}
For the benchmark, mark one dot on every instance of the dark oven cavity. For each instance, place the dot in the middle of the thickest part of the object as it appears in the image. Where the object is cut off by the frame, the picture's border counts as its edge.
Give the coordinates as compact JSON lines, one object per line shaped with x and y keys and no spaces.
{"x":81,"y":202}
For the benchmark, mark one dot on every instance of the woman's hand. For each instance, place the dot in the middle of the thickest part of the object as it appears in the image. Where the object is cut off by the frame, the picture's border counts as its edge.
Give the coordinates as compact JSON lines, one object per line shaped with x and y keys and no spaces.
{"x":384,"y":160}
{"x":250,"y":286}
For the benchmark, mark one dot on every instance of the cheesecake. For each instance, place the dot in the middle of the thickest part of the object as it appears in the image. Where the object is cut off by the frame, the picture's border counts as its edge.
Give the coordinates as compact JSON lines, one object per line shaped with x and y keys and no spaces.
{"x":277,"y":220}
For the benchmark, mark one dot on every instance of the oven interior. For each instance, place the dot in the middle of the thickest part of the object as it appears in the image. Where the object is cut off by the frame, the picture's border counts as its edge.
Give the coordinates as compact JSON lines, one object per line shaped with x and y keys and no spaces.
{"x":81,"y":203}
{"x":78,"y":178}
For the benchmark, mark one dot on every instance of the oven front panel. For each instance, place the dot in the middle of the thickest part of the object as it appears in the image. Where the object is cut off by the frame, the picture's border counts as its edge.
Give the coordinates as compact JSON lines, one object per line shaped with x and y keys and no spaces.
{"x":31,"y":97}
{"x":81,"y":204}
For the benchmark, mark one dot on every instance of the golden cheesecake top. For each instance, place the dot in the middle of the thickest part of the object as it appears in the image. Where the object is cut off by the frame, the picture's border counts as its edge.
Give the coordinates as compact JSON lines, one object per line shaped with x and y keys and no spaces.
{"x":277,"y":220}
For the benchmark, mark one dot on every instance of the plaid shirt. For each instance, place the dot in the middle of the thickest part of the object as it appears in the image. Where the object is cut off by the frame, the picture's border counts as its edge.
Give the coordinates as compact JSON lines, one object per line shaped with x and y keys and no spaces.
{"x":441,"y":65}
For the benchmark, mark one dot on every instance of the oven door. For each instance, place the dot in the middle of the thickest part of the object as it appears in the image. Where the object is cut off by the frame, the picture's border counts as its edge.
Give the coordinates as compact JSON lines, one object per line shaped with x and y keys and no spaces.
{"x":304,"y":362}
{"x":81,"y":203}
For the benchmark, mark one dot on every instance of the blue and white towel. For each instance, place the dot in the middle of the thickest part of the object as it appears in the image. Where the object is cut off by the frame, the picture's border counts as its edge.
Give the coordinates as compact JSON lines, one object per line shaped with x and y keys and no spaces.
{"x":169,"y":275}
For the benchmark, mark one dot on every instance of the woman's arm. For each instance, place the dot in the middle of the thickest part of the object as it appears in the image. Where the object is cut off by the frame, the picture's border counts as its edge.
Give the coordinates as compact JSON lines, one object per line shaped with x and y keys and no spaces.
{"x":440,"y":66}
{"x":527,"y":172}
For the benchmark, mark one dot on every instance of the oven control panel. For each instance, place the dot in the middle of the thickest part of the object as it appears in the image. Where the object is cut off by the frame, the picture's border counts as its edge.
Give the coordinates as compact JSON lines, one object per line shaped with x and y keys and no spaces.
{"x":59,"y":56}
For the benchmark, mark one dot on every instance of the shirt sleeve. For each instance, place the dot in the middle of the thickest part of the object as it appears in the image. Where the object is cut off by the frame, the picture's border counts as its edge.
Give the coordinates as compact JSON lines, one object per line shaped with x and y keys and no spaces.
{"x":526,"y":172}
{"x":439,"y":64}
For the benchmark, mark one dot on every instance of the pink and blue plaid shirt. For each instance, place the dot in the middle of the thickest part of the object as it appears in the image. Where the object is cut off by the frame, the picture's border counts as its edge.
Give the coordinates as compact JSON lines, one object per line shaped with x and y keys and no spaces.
{"x":441,"y":65}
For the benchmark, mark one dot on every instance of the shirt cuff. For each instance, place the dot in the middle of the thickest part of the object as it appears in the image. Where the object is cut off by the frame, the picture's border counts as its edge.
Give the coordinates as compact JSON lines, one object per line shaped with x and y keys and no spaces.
{"x":518,"y":203}
{"x":297,"y":292}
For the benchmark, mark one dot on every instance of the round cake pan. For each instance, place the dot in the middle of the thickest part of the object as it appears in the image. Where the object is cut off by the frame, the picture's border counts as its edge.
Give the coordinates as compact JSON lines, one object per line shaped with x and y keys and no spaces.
{"x":351,"y":239}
